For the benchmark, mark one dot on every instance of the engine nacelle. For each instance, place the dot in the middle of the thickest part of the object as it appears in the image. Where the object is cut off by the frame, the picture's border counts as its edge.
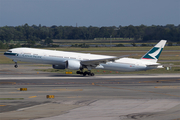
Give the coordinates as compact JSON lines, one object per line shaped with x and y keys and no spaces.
{"x":73,"y":64}
{"x":59,"y":66}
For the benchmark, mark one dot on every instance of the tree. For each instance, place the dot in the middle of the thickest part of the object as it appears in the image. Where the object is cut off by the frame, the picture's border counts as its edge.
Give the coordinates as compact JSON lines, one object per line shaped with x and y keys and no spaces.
{"x":37,"y":33}
{"x":48,"y":41}
{"x":170,"y":44}
{"x":3,"y":46}
{"x":31,"y":43}
{"x":133,"y":44}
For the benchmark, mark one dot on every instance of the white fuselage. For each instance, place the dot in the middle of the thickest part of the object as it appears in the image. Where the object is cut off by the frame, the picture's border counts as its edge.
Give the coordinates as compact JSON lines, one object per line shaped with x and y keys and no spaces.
{"x":60,"y":57}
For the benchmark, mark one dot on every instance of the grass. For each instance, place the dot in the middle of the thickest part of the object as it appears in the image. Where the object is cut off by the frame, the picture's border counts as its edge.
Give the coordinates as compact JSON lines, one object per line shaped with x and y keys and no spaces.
{"x":5,"y":60}
{"x":173,"y":63}
{"x":11,"y":98}
{"x":169,"y":58}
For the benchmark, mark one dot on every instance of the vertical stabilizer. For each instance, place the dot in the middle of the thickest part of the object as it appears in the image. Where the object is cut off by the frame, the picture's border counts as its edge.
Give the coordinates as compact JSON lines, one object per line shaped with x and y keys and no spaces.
{"x":155,"y":52}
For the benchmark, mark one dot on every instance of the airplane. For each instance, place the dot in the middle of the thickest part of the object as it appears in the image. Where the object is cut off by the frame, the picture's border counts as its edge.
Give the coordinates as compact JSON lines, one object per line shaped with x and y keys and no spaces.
{"x":79,"y":61}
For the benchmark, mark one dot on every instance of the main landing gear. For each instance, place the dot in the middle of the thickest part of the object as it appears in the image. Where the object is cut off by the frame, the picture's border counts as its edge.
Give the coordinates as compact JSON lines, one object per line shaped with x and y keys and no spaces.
{"x":85,"y":73}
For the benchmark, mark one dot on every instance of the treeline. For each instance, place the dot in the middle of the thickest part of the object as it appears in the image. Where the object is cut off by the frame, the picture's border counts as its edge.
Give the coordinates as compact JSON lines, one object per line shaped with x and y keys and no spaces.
{"x":38,"y":33}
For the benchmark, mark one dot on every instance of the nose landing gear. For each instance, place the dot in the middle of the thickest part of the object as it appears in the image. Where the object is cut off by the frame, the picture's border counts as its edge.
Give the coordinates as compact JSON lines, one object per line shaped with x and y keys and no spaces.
{"x":16,"y":66}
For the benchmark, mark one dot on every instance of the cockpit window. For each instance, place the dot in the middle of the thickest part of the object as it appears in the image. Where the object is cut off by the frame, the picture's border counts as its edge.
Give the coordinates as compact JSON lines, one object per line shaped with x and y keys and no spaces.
{"x":9,"y":51}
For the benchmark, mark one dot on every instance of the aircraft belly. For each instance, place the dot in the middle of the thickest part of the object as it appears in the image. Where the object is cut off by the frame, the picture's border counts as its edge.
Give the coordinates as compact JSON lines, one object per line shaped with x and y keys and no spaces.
{"x":122,"y":67}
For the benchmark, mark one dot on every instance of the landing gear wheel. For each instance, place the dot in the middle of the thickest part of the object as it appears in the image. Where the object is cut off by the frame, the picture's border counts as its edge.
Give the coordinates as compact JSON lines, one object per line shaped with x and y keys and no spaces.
{"x":84,"y":74}
{"x":92,"y":74}
{"x":16,"y":66}
{"x":78,"y":72}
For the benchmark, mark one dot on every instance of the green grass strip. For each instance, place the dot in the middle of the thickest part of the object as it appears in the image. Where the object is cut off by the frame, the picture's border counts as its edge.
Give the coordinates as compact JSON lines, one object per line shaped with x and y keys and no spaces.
{"x":11,"y":98}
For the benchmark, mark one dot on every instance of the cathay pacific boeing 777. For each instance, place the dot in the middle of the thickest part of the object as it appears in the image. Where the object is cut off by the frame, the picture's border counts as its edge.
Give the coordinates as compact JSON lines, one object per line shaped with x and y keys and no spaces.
{"x":79,"y":61}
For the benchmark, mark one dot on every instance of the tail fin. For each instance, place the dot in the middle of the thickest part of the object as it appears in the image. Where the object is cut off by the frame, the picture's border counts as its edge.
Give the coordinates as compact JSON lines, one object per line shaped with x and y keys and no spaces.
{"x":155,"y":52}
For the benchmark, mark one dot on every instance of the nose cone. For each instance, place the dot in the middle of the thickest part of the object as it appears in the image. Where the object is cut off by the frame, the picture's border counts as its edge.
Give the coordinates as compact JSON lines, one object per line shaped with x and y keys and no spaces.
{"x":5,"y":53}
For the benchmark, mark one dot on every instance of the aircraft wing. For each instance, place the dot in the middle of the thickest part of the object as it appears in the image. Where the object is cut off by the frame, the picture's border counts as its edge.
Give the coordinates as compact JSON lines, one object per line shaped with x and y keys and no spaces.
{"x":98,"y":61}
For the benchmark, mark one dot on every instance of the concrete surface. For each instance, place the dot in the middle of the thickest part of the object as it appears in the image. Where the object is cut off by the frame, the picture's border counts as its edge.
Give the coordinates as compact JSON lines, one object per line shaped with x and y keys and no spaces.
{"x":107,"y":97}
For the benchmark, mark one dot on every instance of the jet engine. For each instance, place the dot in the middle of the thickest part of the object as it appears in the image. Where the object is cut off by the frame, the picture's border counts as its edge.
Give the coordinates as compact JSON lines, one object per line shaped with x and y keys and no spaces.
{"x":73,"y":64}
{"x":59,"y":66}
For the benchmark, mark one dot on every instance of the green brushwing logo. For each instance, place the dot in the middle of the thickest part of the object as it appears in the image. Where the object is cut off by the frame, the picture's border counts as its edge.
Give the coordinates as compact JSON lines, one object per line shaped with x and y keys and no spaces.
{"x":153,"y":53}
